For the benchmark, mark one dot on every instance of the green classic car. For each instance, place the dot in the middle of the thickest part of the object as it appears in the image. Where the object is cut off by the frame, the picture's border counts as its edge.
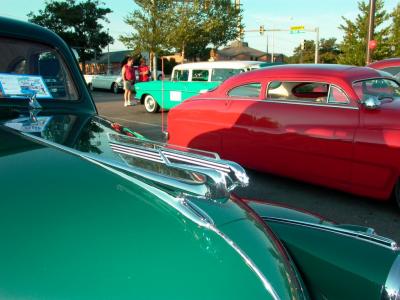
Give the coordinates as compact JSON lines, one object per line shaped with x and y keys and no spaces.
{"x":91,"y":210}
{"x":188,"y":80}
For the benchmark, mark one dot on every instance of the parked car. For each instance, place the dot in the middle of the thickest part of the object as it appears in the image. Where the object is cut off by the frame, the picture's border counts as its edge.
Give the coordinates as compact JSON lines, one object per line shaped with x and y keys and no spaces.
{"x":327,"y":124}
{"x":111,"y":82}
{"x":391,"y":65}
{"x":188,"y":80}
{"x":89,"y":209}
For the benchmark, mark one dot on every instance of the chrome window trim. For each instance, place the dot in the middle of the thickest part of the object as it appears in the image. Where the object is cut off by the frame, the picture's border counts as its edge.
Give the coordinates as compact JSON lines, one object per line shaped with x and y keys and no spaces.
{"x":345,"y":105}
{"x":340,"y":89}
{"x":375,"y":78}
{"x":313,"y":104}
{"x":246,"y":98}
{"x":374,"y":239}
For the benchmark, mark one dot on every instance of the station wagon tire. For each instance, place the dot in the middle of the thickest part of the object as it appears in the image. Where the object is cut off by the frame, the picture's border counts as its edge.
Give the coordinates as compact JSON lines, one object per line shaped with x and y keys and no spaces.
{"x":115,"y":88}
{"x":150,"y":104}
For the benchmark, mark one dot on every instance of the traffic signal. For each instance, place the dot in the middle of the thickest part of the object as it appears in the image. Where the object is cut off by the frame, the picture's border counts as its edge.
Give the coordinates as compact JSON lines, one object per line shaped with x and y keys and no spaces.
{"x":262,"y":29}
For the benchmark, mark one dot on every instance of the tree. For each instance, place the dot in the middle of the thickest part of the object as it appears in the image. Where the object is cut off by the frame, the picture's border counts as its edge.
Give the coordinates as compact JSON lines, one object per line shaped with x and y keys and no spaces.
{"x":201,"y":23}
{"x":185,"y":26}
{"x":394,"y":36}
{"x":151,"y":24}
{"x":353,"y":47}
{"x":328,"y":52}
{"x":78,"y":23}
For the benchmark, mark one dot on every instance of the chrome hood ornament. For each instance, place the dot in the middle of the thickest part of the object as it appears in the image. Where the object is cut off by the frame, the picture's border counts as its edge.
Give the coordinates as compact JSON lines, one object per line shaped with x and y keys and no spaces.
{"x":190,"y":171}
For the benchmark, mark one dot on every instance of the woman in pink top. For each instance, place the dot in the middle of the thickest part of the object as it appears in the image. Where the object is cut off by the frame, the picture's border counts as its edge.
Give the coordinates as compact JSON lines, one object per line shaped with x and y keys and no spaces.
{"x":128,"y":76}
{"x":144,"y":71}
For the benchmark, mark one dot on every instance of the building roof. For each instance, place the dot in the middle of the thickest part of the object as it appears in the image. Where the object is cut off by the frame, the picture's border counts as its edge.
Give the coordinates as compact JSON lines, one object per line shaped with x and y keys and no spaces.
{"x":238,"y":48}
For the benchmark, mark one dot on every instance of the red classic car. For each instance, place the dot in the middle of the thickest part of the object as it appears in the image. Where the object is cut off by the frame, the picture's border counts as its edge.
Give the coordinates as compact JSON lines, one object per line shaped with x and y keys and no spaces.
{"x":333,"y":125}
{"x":391,"y":65}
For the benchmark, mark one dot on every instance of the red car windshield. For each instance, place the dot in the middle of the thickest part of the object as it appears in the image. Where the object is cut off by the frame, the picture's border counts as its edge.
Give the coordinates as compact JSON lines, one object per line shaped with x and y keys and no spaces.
{"x":379,"y":87}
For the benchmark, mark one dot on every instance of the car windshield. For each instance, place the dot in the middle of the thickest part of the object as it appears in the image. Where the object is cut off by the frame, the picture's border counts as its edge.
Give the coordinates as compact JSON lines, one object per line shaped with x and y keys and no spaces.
{"x":28,"y":68}
{"x":380,"y":88}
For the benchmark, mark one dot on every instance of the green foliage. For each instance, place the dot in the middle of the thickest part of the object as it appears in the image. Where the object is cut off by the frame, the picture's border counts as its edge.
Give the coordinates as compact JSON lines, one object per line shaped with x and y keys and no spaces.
{"x":328,"y":52}
{"x":394,"y":36}
{"x":354,"y":45}
{"x":151,"y":23}
{"x":78,"y":23}
{"x":185,"y":26}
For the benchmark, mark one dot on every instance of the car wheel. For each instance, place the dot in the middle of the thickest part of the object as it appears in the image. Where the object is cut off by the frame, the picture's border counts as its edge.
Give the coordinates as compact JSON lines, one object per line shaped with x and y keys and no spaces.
{"x":159,"y":77}
{"x":150,"y":104}
{"x":115,"y":88}
{"x":90,"y":86}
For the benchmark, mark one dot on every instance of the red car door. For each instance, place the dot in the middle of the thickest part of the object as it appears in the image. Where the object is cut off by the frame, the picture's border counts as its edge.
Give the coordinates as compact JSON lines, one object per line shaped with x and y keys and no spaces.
{"x":302,"y":130}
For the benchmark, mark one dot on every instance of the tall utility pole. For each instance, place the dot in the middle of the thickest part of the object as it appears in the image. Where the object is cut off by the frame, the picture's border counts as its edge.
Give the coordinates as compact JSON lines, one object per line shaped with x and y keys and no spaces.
{"x":316,"y":45}
{"x":239,"y":29}
{"x":108,"y":54}
{"x":370,"y":29}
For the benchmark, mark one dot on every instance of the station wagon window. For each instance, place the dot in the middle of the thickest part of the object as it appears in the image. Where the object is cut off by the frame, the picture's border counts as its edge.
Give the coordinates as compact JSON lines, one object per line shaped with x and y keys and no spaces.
{"x":314,"y":92}
{"x":379,"y":88}
{"x":181,"y":75}
{"x":222,"y":74}
{"x":200,"y":75}
{"x":251,"y":90}
{"x":30,"y":67}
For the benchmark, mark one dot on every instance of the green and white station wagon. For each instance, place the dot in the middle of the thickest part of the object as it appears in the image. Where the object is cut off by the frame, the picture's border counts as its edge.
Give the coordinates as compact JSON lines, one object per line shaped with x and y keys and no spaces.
{"x":188,"y":80}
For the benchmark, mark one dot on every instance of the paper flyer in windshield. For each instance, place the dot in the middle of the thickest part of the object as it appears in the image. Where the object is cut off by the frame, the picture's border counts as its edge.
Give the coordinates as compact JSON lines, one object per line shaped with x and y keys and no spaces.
{"x":14,"y":85}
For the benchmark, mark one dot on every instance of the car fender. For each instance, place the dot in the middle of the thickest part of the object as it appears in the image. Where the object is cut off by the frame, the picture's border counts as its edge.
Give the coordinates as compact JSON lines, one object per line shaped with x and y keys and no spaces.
{"x":331,"y":255}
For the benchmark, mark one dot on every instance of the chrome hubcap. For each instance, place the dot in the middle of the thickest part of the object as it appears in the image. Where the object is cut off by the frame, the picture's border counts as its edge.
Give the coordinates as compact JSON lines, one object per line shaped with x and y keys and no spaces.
{"x":149,"y":103}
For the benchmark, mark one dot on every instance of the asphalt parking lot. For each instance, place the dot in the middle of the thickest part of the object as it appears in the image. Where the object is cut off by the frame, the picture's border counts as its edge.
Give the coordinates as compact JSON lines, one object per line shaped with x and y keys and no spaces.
{"x":335,"y":205}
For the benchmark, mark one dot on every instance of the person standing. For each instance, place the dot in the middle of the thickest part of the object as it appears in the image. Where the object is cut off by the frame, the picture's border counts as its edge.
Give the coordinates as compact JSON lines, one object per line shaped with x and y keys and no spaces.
{"x":129,"y":77}
{"x":144,"y":71}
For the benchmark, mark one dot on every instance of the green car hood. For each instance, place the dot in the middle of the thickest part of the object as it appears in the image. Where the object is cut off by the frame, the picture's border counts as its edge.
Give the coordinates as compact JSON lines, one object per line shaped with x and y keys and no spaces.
{"x":71,"y":228}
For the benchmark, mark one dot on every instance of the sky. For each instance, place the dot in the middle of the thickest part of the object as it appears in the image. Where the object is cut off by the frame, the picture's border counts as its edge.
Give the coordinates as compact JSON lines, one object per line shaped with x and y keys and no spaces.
{"x":273,"y":14}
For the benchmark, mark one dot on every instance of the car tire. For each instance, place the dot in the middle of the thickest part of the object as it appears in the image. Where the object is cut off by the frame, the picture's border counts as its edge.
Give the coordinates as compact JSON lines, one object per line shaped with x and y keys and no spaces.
{"x":90,"y":86}
{"x":159,"y":77}
{"x":150,"y":104}
{"x":115,"y":88}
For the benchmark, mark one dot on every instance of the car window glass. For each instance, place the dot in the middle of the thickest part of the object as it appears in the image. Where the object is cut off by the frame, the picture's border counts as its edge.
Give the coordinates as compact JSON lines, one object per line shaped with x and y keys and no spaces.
{"x":298,"y":91}
{"x":31,"y":62}
{"x":251,"y":90}
{"x":200,"y":75}
{"x":181,"y":75}
{"x":337,"y":96}
{"x":222,"y":74}
{"x":379,"y":88}
{"x":392,"y":70}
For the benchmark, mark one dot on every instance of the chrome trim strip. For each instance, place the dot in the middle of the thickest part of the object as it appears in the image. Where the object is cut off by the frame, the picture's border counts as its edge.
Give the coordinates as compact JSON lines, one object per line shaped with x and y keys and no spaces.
{"x":267,"y":285}
{"x":391,"y":289}
{"x":375,"y":239}
{"x":311,"y":104}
